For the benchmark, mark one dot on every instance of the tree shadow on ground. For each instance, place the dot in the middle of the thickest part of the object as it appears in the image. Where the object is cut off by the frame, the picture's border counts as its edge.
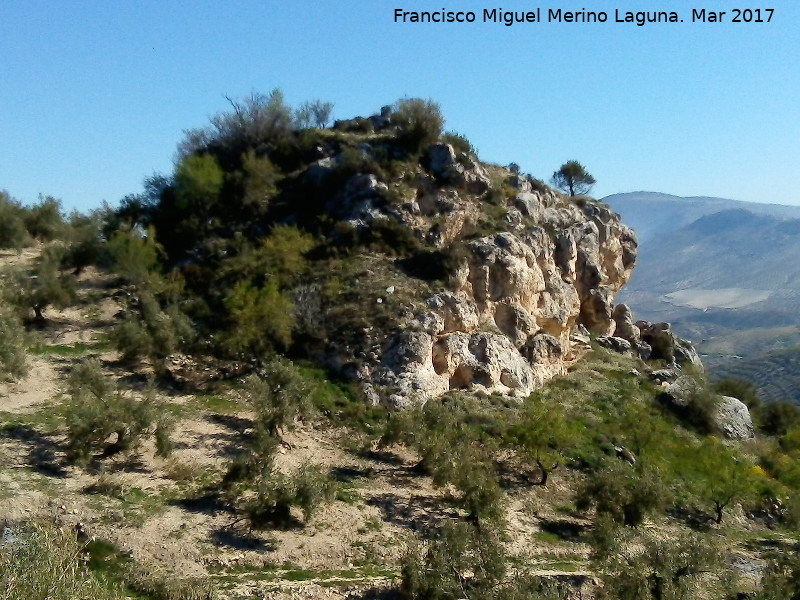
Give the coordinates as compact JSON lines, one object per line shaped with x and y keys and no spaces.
{"x":569,"y":531}
{"x":384,"y":457}
{"x":231,"y":422}
{"x":351,"y":474}
{"x":693,"y":518}
{"x":242,"y":540}
{"x":377,"y":593}
{"x":420,"y":514}
{"x":208,"y":502}
{"x":43,"y":453}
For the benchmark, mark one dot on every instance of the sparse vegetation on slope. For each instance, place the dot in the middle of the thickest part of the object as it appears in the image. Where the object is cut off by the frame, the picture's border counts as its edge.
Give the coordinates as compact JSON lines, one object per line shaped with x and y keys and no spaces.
{"x":285,"y":475}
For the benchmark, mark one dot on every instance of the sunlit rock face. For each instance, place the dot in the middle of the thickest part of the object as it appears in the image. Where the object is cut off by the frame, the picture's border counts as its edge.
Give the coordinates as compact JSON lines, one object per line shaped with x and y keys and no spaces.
{"x":517,"y":297}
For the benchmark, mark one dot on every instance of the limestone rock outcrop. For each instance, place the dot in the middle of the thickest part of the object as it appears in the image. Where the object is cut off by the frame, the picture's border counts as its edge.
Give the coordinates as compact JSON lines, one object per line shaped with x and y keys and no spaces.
{"x":445,"y":165}
{"x":517,"y":298}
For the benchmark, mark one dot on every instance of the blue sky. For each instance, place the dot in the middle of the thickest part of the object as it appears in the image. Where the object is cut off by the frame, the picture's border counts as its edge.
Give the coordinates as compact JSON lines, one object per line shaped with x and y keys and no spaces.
{"x":95,"y":94}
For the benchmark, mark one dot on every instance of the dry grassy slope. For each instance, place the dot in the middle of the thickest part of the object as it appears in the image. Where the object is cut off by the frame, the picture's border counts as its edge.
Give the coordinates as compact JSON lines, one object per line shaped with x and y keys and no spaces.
{"x":354,"y":543}
{"x":357,"y":540}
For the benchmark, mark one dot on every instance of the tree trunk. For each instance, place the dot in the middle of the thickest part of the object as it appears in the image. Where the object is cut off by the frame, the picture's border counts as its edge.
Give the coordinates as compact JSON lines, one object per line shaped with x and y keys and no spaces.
{"x":38,"y":314}
{"x":719,"y":508}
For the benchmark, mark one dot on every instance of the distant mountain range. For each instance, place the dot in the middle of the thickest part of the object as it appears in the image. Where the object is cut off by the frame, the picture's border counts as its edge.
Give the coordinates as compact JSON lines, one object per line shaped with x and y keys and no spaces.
{"x":651,"y":214}
{"x":726,"y":274}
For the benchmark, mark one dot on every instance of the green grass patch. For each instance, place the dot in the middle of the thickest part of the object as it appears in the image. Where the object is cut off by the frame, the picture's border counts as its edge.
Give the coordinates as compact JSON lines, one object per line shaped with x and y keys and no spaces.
{"x":43,"y":421}
{"x":212,"y":403}
{"x":548,"y":537}
{"x":136,"y":504}
{"x":70,"y":351}
{"x":340,"y":403}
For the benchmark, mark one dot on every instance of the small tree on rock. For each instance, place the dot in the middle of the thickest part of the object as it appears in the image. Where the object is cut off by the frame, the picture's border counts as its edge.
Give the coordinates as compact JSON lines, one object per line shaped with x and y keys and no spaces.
{"x":419,"y":123}
{"x":573,"y":177}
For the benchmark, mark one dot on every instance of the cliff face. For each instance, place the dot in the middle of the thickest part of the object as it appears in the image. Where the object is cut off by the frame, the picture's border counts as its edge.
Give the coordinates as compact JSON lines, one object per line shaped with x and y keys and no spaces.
{"x":518,"y":296}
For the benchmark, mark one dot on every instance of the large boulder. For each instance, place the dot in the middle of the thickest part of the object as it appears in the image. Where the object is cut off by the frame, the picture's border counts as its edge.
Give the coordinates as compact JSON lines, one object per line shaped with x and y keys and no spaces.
{"x":731,"y":418}
{"x":683,"y":390}
{"x":625,"y":327}
{"x":615,"y":344}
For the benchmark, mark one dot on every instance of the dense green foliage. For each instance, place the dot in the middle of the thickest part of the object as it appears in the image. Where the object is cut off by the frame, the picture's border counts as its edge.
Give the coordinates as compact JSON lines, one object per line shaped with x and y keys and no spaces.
{"x":464,"y":562}
{"x":572,"y":177}
{"x":645,"y":567}
{"x":44,"y":286}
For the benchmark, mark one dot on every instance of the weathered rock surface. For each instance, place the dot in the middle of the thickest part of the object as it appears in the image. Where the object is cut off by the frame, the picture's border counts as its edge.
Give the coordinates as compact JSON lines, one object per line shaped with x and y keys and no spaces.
{"x":507,"y":326}
{"x":666,"y":345}
{"x":732,"y":419}
{"x":445,"y":165}
{"x":534,"y":273}
{"x":616,"y":344}
{"x":682,"y":391}
{"x":730,"y":416}
{"x":625,"y":327}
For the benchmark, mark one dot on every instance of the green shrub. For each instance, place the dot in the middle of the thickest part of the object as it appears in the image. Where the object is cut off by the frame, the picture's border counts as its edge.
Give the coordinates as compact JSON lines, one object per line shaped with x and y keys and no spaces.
{"x":13,"y":233}
{"x":258,"y":119}
{"x":46,"y":286}
{"x":44,"y":220}
{"x":419,"y":123}
{"x":198,"y":183}
{"x":13,"y":346}
{"x":776,"y":418}
{"x":85,"y":244}
{"x":452,"y":455}
{"x":459,"y":143}
{"x":280,"y":397}
{"x":135,"y":255}
{"x":307,"y":488}
{"x":701,"y":409}
{"x":717,"y":475}
{"x":649,"y":568}
{"x":253,"y":484}
{"x":541,"y":435}
{"x":262,"y":319}
{"x":281,"y":256}
{"x":259,"y":182}
{"x":464,"y":562}
{"x":623,"y":493}
{"x":745,"y":391}
{"x":781,"y":580}
{"x":460,"y":562}
{"x":152,"y":332}
{"x":103,"y":419}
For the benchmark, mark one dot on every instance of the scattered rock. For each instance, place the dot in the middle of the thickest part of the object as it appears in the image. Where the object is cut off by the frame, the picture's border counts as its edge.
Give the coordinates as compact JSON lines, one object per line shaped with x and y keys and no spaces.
{"x":682,"y":390}
{"x":446,"y":167}
{"x":616,"y":344}
{"x":625,"y":327}
{"x":732,"y":419}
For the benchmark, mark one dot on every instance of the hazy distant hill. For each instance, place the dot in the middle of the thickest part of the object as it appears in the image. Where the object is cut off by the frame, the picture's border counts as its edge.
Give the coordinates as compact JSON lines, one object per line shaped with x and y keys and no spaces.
{"x":652,"y":213}
{"x":777,"y":374}
{"x":726,"y":274}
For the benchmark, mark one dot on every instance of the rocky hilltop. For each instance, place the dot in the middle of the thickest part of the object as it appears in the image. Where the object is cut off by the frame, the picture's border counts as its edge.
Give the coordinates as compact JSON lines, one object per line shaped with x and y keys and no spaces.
{"x":517,"y":296}
{"x":385,"y":251}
